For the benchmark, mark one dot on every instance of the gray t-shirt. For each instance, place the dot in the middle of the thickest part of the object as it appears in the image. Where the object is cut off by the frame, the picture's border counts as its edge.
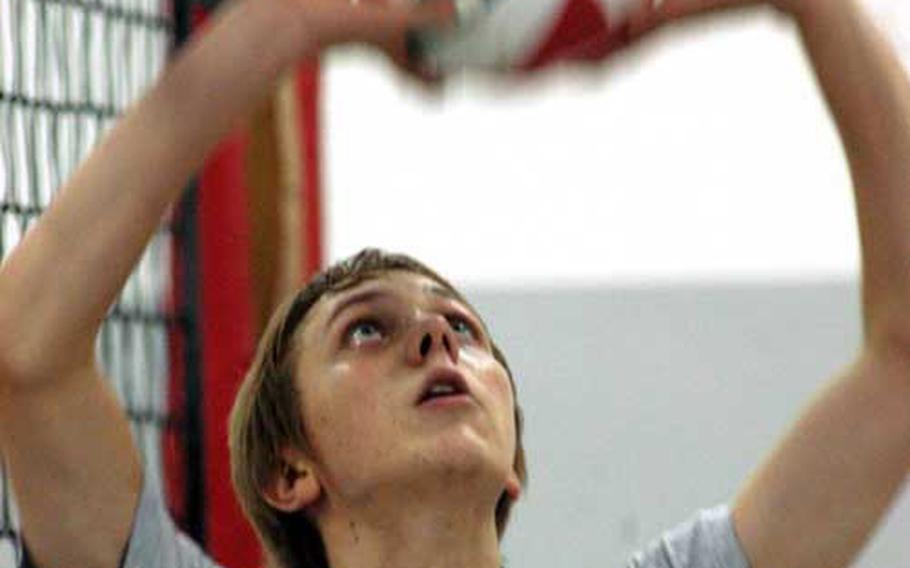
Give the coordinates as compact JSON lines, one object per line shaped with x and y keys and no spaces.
{"x":707,"y":540}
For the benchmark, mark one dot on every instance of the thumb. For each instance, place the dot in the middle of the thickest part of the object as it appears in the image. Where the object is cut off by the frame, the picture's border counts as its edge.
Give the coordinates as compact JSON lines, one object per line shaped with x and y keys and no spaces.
{"x":384,"y":23}
{"x":669,"y":10}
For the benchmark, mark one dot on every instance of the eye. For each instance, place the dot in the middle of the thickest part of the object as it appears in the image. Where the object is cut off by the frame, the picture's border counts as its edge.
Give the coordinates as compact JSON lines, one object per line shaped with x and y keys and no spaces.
{"x":363,"y":331}
{"x":462,"y":326}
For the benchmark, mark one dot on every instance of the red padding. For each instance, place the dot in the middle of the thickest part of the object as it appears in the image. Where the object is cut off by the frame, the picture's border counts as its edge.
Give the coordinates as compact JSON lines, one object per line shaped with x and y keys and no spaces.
{"x":227,"y":340}
{"x":310,"y":129}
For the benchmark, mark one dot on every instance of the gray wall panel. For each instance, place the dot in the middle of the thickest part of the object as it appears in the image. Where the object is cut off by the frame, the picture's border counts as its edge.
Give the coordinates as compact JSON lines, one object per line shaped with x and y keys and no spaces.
{"x":644,"y":405}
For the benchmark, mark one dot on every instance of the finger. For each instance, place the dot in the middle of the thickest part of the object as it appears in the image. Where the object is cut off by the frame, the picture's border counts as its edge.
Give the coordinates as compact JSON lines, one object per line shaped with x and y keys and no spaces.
{"x":428,"y":79}
{"x":645,"y":18}
{"x":382,"y":23}
{"x":427,"y":83}
{"x":669,"y":10}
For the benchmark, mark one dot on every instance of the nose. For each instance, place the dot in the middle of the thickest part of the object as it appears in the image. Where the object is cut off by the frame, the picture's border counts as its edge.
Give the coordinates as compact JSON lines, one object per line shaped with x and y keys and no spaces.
{"x":431,"y":335}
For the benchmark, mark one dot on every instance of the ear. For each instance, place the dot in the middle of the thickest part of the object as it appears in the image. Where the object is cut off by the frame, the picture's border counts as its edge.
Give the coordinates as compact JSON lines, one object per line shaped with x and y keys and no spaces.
{"x":513,"y":486}
{"x":294,"y":487}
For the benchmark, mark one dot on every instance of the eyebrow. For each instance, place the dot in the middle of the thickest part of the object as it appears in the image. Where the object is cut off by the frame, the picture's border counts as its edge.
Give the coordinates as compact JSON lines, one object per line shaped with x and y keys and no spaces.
{"x":354,"y":299}
{"x":372,"y":294}
{"x":442,"y":292}
{"x":448,"y":294}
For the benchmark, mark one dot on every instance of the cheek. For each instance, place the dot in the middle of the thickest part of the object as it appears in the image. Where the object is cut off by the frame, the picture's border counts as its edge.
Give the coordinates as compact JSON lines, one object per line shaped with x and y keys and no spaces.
{"x":486,"y":366}
{"x":499,"y":388}
{"x":494,"y":378}
{"x":340,"y":404}
{"x":349,"y":414}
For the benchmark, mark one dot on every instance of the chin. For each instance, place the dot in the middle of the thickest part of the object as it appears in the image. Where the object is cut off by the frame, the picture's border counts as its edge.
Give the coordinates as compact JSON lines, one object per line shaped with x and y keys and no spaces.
{"x":464,"y":457}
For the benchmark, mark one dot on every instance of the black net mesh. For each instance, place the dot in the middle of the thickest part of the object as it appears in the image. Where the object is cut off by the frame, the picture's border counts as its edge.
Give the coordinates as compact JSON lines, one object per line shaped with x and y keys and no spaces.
{"x":68,"y":69}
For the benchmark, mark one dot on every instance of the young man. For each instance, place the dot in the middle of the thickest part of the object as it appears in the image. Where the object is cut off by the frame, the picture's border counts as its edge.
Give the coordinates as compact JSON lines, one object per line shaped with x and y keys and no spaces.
{"x":388,"y":474}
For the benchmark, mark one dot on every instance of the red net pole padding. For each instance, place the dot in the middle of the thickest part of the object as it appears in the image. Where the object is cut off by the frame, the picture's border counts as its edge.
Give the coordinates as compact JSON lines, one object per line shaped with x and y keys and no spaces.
{"x":310,"y":129}
{"x":228,"y":340}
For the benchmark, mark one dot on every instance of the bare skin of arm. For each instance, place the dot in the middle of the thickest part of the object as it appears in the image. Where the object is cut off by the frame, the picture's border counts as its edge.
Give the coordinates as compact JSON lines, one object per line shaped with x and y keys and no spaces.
{"x":75,"y":471}
{"x":817,"y":499}
{"x":819,"y":496}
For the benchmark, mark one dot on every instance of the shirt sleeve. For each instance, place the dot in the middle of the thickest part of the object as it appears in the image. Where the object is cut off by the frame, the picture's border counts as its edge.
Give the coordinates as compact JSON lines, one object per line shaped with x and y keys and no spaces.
{"x":155,"y":541}
{"x":708,"y":540}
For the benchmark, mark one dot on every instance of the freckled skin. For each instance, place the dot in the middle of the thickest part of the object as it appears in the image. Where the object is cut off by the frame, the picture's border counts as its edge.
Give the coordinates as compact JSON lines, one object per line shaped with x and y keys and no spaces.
{"x":359,"y":389}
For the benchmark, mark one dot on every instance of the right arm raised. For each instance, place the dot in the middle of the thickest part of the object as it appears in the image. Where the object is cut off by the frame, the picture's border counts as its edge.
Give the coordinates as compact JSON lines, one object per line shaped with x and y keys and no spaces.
{"x":75,"y":470}
{"x":74,"y":467}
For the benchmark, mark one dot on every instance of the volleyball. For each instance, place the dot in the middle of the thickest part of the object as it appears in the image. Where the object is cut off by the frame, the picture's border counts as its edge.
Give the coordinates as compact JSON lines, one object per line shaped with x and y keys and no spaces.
{"x":516,"y":36}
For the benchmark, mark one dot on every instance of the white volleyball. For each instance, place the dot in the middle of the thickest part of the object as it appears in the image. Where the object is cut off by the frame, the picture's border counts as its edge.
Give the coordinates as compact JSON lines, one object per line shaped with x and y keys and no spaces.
{"x":524,"y":35}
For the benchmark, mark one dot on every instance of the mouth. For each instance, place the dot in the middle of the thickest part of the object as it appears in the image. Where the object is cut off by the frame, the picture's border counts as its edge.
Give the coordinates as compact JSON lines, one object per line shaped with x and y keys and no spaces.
{"x":443,"y":385}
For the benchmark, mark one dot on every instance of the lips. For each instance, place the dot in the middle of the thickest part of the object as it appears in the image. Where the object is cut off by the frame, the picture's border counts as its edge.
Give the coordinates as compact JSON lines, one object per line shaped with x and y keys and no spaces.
{"x":441,"y":383}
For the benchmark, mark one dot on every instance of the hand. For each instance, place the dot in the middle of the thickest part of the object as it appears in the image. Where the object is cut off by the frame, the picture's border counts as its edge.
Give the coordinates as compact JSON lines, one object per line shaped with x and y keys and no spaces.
{"x":656,"y":13}
{"x":383,"y":24}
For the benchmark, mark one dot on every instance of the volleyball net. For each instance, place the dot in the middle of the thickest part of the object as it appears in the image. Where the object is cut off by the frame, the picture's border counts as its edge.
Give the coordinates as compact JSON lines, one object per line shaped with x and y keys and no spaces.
{"x":246,"y":232}
{"x":68,"y":69}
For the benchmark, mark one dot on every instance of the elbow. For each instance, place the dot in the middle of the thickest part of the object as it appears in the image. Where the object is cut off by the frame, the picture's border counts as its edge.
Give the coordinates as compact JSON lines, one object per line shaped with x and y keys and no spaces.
{"x":26,"y":367}
{"x":890,"y":337}
{"x":9,"y":361}
{"x":891,"y":350}
{"x":32,"y":355}
{"x":886,"y":323}
{"x":16,"y":373}
{"x":15,"y":360}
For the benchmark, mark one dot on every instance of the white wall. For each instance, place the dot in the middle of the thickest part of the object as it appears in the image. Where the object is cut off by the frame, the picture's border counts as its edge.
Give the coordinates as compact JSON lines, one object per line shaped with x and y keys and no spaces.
{"x":707,"y":154}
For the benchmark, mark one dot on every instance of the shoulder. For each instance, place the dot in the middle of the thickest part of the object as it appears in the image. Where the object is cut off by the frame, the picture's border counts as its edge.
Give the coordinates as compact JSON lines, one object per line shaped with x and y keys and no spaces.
{"x":706,"y":540}
{"x":155,"y":541}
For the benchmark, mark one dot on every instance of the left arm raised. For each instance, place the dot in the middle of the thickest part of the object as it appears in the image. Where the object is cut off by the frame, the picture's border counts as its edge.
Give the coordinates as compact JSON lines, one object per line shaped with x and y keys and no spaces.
{"x":821,"y":493}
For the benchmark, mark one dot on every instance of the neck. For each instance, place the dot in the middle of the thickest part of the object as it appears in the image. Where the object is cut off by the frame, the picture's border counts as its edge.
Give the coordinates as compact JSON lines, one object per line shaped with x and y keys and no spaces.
{"x":412,"y":533}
